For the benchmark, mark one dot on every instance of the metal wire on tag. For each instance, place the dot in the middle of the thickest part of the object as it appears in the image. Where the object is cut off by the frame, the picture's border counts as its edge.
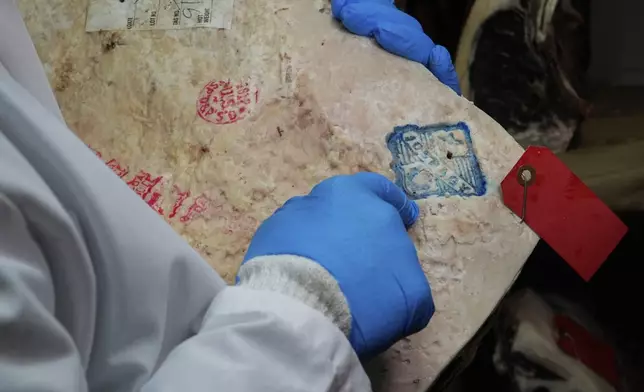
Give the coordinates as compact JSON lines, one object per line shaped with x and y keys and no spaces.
{"x":526,"y":176}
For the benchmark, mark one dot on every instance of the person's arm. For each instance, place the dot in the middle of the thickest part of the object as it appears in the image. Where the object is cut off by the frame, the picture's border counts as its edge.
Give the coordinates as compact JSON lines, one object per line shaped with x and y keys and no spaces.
{"x":250,"y":339}
{"x":328,"y":276}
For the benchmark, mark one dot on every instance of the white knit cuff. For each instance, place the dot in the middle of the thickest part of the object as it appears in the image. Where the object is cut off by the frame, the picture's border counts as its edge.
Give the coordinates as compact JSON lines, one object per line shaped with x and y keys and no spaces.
{"x":299,"y":278}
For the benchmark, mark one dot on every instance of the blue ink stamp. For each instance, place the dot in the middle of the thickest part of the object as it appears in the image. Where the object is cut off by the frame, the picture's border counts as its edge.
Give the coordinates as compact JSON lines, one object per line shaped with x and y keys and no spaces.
{"x":435,"y":160}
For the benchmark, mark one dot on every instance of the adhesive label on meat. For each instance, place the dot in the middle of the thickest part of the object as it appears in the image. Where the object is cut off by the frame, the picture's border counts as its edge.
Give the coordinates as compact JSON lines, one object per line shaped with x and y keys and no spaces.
{"x":158,"y":14}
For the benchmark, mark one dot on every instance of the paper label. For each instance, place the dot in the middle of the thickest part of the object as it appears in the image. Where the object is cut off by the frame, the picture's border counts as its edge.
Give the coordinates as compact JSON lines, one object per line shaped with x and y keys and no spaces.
{"x":563,"y":211}
{"x":158,"y":14}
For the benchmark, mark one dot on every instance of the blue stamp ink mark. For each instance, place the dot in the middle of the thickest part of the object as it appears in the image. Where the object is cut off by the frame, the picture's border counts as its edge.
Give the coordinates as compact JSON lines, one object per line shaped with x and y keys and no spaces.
{"x":435,"y":160}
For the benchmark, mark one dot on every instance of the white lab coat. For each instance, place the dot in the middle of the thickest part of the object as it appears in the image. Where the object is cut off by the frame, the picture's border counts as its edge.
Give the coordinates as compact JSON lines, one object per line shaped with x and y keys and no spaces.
{"x":98,"y":293}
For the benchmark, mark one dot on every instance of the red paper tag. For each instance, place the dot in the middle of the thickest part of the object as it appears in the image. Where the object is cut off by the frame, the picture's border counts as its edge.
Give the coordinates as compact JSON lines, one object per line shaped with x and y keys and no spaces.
{"x":563,"y":211}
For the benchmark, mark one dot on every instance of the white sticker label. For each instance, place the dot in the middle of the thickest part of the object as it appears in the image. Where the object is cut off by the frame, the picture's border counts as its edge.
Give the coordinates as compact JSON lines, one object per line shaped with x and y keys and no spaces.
{"x":158,"y":14}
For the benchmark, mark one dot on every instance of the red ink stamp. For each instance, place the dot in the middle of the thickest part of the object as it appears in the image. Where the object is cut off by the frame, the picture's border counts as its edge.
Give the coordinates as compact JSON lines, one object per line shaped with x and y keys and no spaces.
{"x":143,"y":184}
{"x":222,"y":102}
{"x":116,"y":167}
{"x":198,"y":207}
{"x":182,"y":196}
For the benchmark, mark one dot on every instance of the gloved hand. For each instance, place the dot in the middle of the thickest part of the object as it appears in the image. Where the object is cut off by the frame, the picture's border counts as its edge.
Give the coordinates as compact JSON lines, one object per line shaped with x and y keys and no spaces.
{"x":354,"y":227}
{"x":398,"y":33}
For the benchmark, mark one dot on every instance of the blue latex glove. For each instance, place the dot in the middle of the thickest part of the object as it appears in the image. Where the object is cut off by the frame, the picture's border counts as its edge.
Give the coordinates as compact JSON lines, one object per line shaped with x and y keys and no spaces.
{"x":354,"y":227}
{"x":398,"y":33}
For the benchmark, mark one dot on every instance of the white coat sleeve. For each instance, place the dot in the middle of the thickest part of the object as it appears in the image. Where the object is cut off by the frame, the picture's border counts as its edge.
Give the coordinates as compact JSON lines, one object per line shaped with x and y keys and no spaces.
{"x":36,"y":351}
{"x":250,"y":340}
{"x":262,"y":341}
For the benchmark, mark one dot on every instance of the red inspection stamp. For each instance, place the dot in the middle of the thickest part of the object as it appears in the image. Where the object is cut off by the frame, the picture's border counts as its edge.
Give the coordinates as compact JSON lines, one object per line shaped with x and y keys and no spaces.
{"x":223,"y":102}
